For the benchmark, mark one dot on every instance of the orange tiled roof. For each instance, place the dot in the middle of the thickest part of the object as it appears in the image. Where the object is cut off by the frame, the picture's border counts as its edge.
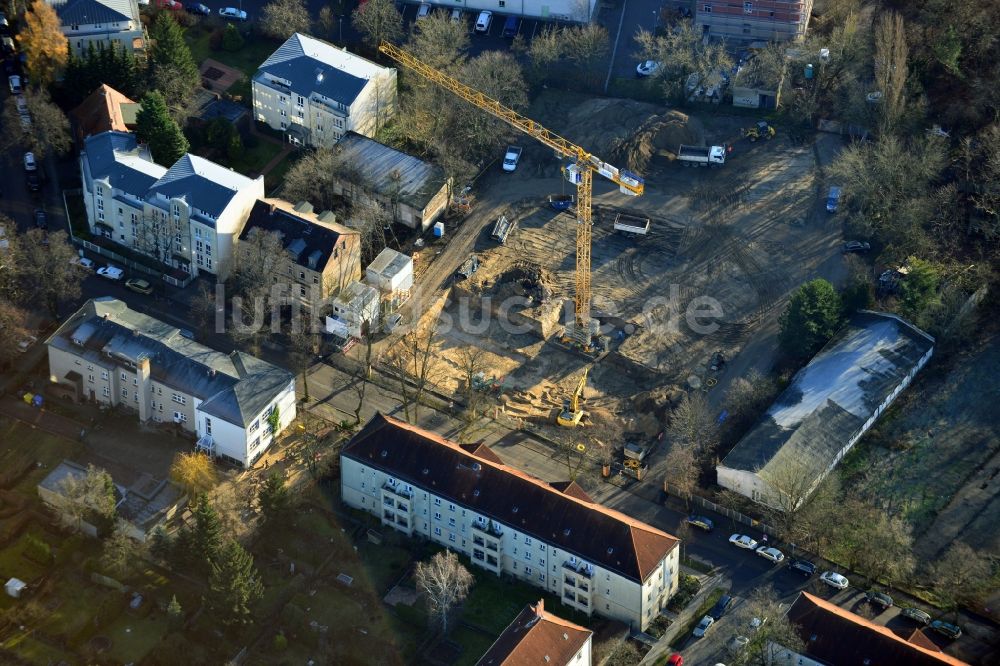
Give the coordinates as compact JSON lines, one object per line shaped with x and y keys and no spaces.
{"x":536,"y":636}
{"x":101,"y":112}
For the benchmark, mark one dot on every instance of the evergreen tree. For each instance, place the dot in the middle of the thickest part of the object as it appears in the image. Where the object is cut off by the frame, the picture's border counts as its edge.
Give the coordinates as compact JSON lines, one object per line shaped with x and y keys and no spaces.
{"x":175,"y":613}
{"x":206,"y":535}
{"x":170,"y":51}
{"x":155,"y":126}
{"x":234,"y":585}
{"x":273,"y":498}
{"x":232,"y":40}
{"x":813,"y":315}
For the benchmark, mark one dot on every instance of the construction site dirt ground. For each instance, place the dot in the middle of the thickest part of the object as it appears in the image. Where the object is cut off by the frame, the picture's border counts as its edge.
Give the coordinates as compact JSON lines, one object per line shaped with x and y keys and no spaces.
{"x":741,"y":236}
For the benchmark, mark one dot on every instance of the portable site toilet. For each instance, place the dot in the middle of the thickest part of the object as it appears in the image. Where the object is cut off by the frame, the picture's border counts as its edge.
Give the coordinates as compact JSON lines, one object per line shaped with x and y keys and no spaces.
{"x":438,"y":229}
{"x":14,"y":587}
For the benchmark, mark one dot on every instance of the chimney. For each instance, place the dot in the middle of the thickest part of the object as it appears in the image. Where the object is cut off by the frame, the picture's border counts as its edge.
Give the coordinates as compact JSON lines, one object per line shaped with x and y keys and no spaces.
{"x":211,"y":372}
{"x":145,"y":388}
{"x":540,"y":608}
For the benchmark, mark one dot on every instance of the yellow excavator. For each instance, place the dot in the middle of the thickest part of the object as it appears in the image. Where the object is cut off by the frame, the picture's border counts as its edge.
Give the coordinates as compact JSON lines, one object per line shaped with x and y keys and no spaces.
{"x":762,"y":130}
{"x":571,"y":413}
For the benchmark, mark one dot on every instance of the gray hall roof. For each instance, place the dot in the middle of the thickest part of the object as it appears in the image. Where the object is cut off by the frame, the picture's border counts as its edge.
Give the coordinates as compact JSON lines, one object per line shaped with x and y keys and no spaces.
{"x":830,"y":400}
{"x":393,"y":173}
{"x":234,"y":387}
{"x":91,"y":12}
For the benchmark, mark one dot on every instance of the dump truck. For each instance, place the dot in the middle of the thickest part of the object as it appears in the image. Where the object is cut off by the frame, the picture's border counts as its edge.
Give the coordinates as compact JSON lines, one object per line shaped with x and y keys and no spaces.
{"x":701,"y":155}
{"x":470,"y":266}
{"x":511,"y":157}
{"x":632,"y":224}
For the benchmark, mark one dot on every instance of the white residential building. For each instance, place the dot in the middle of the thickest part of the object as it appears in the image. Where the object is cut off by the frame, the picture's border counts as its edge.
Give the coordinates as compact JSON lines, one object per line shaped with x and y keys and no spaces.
{"x":115,"y":356}
{"x":101,"y":23}
{"x":187,"y":217}
{"x":315,"y":92}
{"x":354,"y":311}
{"x":553,"y":536}
{"x":392,"y":274}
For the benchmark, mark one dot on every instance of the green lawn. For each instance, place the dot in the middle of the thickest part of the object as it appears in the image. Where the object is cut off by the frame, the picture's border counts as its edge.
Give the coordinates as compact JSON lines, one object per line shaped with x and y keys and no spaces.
{"x":255,"y":51}
{"x":133,"y":637}
{"x":254,"y":159}
{"x":493,"y":603}
{"x":276,"y":177}
{"x":474,"y":645}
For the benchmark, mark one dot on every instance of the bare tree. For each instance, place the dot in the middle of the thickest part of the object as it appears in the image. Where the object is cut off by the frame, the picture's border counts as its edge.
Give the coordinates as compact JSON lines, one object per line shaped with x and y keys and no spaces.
{"x":472,"y":362}
{"x":891,"y":71}
{"x":283,"y":18}
{"x":681,"y":470}
{"x":49,"y":128}
{"x":378,"y":21}
{"x":92,"y":491}
{"x":45,"y":262}
{"x":692,"y":424}
{"x":255,"y":280}
{"x":763,"y":620}
{"x":818,"y":521}
{"x":416,"y":364}
{"x":326,"y":19}
{"x":303,"y":343}
{"x":371,"y":220}
{"x":119,"y":551}
{"x":13,"y":329}
{"x":747,"y":399}
{"x":681,"y":53}
{"x":961,"y":575}
{"x":791,"y":481}
{"x":444,"y":582}
{"x":194,"y":472}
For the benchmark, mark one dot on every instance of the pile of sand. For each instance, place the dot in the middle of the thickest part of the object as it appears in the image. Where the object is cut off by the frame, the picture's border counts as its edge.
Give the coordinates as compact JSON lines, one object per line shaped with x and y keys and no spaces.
{"x":624,"y":132}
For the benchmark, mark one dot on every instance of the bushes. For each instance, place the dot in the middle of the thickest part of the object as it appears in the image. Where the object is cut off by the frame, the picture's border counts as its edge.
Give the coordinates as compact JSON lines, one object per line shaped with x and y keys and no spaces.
{"x":37,"y":550}
{"x":688,"y":587}
{"x":232,"y":40}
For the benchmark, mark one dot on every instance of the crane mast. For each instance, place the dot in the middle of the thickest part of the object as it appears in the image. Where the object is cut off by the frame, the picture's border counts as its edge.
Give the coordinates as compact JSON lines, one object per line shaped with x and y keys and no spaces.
{"x":580,"y":172}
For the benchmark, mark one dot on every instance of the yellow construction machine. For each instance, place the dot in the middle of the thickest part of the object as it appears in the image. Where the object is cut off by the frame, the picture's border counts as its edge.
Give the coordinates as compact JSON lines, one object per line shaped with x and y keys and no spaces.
{"x":571,"y":413}
{"x":762,"y":130}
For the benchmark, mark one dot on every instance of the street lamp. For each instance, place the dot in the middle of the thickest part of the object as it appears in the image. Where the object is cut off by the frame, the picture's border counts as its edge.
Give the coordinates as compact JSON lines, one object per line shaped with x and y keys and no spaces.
{"x":340,"y":29}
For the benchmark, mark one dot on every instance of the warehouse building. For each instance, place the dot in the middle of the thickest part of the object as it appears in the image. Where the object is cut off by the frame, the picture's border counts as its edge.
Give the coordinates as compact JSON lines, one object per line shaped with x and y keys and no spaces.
{"x":825,"y":410}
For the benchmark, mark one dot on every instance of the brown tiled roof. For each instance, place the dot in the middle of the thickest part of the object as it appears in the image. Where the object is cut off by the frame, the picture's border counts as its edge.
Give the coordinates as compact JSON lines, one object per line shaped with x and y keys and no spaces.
{"x":599,"y":535}
{"x":101,"y":112}
{"x":573,"y":489}
{"x":480,"y":450}
{"x":840,"y":637}
{"x":536,"y":636}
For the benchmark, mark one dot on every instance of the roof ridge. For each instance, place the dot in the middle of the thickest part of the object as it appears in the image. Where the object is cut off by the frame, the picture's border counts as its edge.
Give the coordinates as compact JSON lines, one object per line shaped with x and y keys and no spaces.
{"x":629,"y":521}
{"x":884,"y":631}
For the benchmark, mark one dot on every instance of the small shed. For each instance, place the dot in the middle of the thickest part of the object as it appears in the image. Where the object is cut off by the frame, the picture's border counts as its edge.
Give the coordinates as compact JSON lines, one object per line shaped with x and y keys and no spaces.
{"x":15,"y":587}
{"x":392,"y":274}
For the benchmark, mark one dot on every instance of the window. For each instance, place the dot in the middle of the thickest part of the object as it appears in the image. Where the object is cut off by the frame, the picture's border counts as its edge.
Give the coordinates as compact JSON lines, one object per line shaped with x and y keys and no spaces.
{"x":502,"y":3}
{"x":300,"y":101}
{"x":135,"y":397}
{"x":104,"y":374}
{"x":527,"y":571}
{"x":437,"y":515}
{"x":284,"y":114}
{"x":437,"y":501}
{"x":437,"y":531}
{"x":748,"y":8}
{"x":180,"y":417}
{"x":254,"y":426}
{"x":135,"y":382}
{"x":124,"y":392}
{"x":451,"y":507}
{"x":527,"y":556}
{"x":527,"y":541}
{"x":208,"y":426}
{"x":106,"y":391}
{"x":124,"y":376}
{"x":302,"y":275}
{"x":451,"y":522}
{"x":179,"y":399}
{"x":451,"y":536}
{"x":707,"y":9}
{"x":541,"y":562}
{"x":90,"y":378}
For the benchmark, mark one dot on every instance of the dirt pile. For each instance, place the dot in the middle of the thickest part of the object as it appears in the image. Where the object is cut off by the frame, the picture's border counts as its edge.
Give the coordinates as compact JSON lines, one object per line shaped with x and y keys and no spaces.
{"x":625,"y":132}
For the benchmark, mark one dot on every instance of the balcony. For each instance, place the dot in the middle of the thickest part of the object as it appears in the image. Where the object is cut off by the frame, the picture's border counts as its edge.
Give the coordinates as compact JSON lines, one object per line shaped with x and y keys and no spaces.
{"x":487,"y":528}
{"x":579,"y":568}
{"x":397,"y":490}
{"x":478,"y":541}
{"x":569,"y":582}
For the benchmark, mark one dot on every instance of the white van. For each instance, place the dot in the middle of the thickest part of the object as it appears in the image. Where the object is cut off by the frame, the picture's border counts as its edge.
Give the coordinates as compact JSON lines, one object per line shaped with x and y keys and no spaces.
{"x":484,"y":21}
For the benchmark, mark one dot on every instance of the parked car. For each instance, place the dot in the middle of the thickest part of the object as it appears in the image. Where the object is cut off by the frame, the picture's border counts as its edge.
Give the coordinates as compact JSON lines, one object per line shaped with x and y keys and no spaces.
{"x":172,"y":5}
{"x":41,"y":219}
{"x":8,"y":44}
{"x":111,"y":272}
{"x":703,"y":626}
{"x":139,"y":286}
{"x":511,"y":26}
{"x":14,"y":82}
{"x":802,"y":567}
{"x":701,"y":522}
{"x":646,"y":68}
{"x":4,"y":23}
{"x":742,"y":541}
{"x":946,"y":629}
{"x":34,"y":180}
{"x":30,"y":164}
{"x":233,"y":14}
{"x":83,"y":262}
{"x":484,"y":21}
{"x":834,"y":580}
{"x":856,"y":246}
{"x":772,"y":554}
{"x":833,"y":200}
{"x":916,"y":615}
{"x":456,"y":15}
{"x":880,"y":599}
{"x":198,"y":9}
{"x":22,"y":105}
{"x":721,"y":606}
{"x":26,"y":344}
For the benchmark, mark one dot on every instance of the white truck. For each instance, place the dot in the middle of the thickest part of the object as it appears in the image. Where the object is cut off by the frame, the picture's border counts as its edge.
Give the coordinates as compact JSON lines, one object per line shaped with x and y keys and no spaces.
{"x":511,"y":158}
{"x":707,"y":156}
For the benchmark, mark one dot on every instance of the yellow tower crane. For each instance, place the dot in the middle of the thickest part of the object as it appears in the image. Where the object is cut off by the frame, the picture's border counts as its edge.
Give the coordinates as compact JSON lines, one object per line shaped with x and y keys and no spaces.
{"x":580,"y":172}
